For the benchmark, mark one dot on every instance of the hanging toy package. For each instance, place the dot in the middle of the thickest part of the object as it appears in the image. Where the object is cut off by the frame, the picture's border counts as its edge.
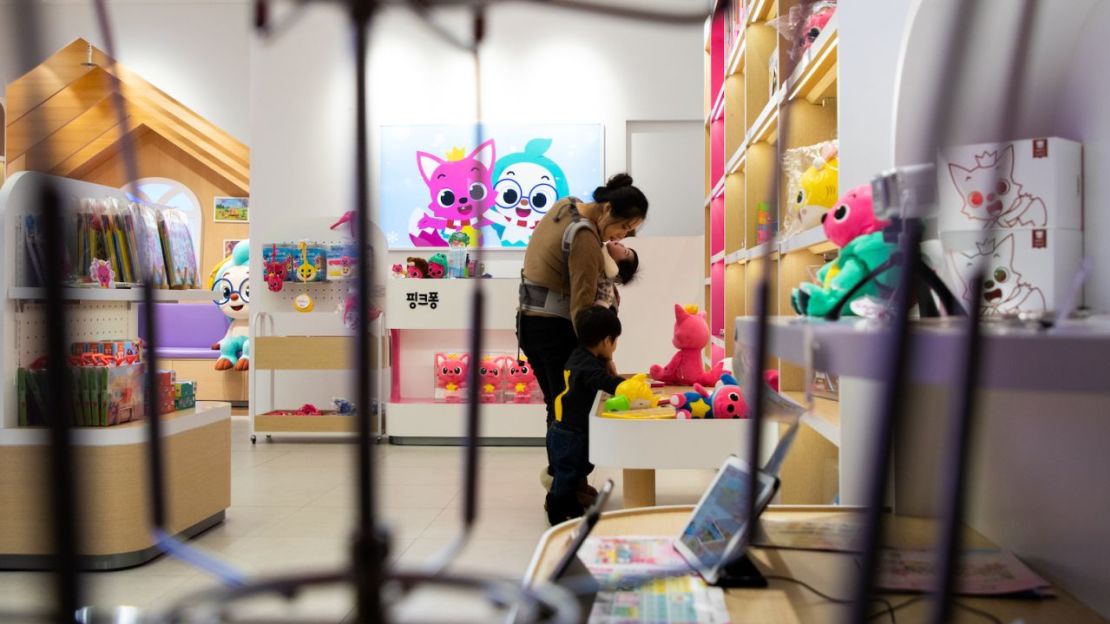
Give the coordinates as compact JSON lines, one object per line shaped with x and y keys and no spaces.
{"x":306,"y":272}
{"x":806,"y":22}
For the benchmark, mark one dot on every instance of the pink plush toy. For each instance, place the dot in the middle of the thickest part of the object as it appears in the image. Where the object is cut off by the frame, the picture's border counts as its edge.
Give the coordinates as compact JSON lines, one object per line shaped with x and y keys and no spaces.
{"x":814,"y":24}
{"x":724,"y":401}
{"x":853,"y":216}
{"x":522,"y":381}
{"x":489,"y":375}
{"x":451,"y":370}
{"x":691,"y":333}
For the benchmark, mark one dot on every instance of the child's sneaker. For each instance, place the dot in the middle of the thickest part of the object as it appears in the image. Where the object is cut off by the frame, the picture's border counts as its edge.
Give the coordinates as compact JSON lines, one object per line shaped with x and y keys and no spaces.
{"x":546,"y":478}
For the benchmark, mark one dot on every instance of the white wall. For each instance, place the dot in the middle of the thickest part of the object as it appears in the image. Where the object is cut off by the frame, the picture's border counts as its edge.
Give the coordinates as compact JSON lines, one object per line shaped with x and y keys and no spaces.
{"x":195,"y":50}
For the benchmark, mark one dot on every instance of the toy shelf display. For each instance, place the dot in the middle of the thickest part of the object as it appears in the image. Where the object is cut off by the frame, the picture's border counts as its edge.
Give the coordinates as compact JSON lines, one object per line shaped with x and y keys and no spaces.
{"x":417,"y":333}
{"x":115,"y":522}
{"x":744,"y":53}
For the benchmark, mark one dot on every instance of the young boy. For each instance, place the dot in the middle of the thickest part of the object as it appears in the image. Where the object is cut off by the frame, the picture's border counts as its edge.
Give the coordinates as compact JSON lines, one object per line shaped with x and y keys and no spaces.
{"x":568,"y":444}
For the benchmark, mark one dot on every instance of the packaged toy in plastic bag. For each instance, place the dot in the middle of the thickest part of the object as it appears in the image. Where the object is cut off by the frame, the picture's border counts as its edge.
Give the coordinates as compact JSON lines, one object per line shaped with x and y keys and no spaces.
{"x":805,"y":22}
{"x":812,"y":177}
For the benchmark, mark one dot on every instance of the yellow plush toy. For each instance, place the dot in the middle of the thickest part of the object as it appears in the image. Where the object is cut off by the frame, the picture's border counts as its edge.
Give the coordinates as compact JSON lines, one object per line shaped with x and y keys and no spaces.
{"x":633,"y":393}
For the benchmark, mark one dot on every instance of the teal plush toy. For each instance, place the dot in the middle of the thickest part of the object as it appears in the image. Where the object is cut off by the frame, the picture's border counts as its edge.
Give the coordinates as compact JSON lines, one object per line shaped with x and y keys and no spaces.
{"x":852,"y":226}
{"x":231,"y":289}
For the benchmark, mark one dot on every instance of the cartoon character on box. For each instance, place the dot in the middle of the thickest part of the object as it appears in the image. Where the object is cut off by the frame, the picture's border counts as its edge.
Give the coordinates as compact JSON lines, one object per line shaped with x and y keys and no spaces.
{"x":417,"y":268}
{"x":853,"y":227}
{"x":451,"y":370}
{"x":460,"y":187}
{"x":724,"y":401}
{"x":521,"y":380}
{"x":526,"y":185}
{"x":1004,"y":292}
{"x":491,"y":377}
{"x":437,"y":266}
{"x":633,"y":393}
{"x":816,"y":191}
{"x":231,"y":283}
{"x":691,"y":334}
{"x":993,"y":196}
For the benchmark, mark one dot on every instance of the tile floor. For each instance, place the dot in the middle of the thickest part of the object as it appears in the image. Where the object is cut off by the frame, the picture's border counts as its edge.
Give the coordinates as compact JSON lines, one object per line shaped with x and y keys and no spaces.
{"x":292,"y":511}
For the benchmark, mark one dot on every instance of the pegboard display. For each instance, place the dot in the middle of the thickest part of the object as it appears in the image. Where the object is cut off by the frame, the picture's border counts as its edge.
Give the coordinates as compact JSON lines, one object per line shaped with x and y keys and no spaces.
{"x":86,"y":322}
{"x":328,"y":296}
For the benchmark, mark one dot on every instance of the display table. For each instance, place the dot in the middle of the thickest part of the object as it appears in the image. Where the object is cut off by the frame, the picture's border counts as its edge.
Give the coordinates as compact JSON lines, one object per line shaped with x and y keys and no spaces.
{"x":832,"y":573}
{"x":640,"y":447}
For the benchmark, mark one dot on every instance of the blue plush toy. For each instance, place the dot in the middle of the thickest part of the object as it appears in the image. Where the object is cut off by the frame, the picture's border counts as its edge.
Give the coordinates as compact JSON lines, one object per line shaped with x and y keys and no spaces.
{"x":231,"y":285}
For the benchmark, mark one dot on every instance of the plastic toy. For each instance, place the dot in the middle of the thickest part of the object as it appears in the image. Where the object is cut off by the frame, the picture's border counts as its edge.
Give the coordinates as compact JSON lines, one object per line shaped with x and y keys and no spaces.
{"x":818,"y":18}
{"x":102,"y":273}
{"x":852,"y":226}
{"x":691,"y":333}
{"x":231,"y":284}
{"x":522,"y":381}
{"x":344,"y":407}
{"x":490,"y":375}
{"x":725,"y":401}
{"x":633,"y":393}
{"x":437,"y":266}
{"x":417,"y":268}
{"x":451,"y":370}
{"x":276,"y":271}
{"x":398,"y":271}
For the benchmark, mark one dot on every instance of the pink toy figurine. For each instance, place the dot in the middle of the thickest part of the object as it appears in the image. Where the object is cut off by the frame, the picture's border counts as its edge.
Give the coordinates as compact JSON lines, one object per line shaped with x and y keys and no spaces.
{"x":772,"y":379}
{"x":522,"y":381}
{"x":451,"y":370}
{"x":417,"y":268}
{"x":459,"y":187}
{"x":490,"y":374}
{"x":691,"y":333}
{"x":398,"y":271}
{"x":727,"y":400}
{"x":101,"y":271}
{"x":853,"y":216}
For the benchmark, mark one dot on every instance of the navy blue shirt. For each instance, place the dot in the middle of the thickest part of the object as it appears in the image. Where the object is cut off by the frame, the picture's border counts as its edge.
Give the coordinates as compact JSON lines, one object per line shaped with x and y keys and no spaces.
{"x":585,"y":374}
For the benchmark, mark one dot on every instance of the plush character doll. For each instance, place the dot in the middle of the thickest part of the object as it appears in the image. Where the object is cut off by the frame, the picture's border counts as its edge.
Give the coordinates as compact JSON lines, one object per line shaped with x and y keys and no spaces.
{"x":451,"y":370}
{"x":725,"y":401}
{"x":437,"y":266}
{"x":632,"y":393}
{"x":417,"y":268}
{"x":490,"y":377}
{"x":814,"y":24}
{"x":691,"y":333}
{"x":231,"y":285}
{"x":817,"y":192}
{"x":852,"y":226}
{"x":398,"y":271}
{"x":522,"y":381}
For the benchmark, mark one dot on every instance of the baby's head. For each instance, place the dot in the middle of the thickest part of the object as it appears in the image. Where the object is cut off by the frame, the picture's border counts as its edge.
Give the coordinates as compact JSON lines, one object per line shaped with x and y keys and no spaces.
{"x":627,"y":261}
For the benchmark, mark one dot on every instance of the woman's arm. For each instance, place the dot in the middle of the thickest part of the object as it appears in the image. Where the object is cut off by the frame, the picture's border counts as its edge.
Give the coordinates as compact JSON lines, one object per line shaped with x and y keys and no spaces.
{"x":584,"y":265}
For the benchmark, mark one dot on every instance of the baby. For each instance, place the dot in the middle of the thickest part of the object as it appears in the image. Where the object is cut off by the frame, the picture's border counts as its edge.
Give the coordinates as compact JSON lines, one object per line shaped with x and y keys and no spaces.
{"x":620,"y":268}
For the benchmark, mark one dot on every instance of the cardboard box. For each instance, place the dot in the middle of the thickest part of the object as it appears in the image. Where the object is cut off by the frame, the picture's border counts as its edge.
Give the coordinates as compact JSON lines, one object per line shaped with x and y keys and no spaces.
{"x":1032,"y":183}
{"x":1028,"y":270}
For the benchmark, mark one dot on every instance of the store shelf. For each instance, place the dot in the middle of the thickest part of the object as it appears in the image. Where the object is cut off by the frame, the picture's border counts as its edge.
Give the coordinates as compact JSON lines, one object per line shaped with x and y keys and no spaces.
{"x":1068,"y":359}
{"x":812,"y":240}
{"x":738,"y":159}
{"x":205,"y":413}
{"x":22,"y":293}
{"x":429,"y":420}
{"x":737,"y":257}
{"x":302,"y":352}
{"x":718,"y":341}
{"x":735,"y":64}
{"x":709,"y":281}
{"x":296,"y":423}
{"x":760,"y":10}
{"x":762,"y":250}
{"x":717,"y":257}
{"x":815,"y":76}
{"x":824,"y":418}
{"x":765,"y":126}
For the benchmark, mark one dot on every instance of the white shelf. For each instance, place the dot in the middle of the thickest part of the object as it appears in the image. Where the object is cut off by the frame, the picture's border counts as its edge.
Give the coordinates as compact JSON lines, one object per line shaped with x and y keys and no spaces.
{"x":739,"y":157}
{"x":1067,"y":359}
{"x":736,"y":257}
{"x":23,"y":293}
{"x":763,"y":129}
{"x":205,"y":413}
{"x":717,"y":257}
{"x":736,"y":55}
{"x":811,"y":75}
{"x":426,"y":419}
{"x":809,"y":239}
{"x":762,"y":250}
{"x":718,"y":341}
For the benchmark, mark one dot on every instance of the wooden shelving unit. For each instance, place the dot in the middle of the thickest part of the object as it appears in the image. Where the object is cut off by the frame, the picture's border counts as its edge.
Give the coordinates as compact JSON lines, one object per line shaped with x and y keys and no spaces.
{"x":745,"y":102}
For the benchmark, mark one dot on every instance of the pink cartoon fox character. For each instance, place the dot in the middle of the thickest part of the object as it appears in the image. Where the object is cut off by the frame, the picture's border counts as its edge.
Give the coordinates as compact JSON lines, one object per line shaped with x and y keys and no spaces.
{"x":491,"y":377}
{"x":460,"y":188}
{"x":521,"y":380}
{"x":691,"y":333}
{"x":451,"y":371}
{"x":991,"y":194}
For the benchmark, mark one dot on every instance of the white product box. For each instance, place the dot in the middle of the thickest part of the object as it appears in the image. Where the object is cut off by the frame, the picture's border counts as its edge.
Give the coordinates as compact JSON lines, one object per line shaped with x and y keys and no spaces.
{"x":1028,"y":270}
{"x":1031,"y":183}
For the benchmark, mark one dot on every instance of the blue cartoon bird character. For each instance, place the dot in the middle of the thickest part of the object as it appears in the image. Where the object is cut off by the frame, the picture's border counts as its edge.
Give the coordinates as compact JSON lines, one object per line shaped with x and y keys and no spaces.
{"x":526,"y":185}
{"x":230,"y":283}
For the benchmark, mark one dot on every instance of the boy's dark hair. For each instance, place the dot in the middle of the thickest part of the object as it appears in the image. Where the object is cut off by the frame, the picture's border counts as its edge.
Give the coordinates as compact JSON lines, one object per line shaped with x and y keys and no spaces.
{"x":626,"y":269}
{"x":595,"y":324}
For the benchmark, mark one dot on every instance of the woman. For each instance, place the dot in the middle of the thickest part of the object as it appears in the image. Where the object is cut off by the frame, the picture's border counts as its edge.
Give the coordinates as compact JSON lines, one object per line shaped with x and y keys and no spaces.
{"x":562,"y":266}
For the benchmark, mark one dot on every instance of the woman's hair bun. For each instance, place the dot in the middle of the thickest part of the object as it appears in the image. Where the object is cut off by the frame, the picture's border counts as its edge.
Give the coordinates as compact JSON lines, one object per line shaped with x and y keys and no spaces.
{"x":619,"y":180}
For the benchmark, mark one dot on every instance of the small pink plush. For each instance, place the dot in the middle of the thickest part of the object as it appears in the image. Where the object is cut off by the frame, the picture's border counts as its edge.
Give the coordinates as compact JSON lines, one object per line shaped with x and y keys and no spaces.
{"x":691,"y":333}
{"x":491,"y":378}
{"x":814,"y":24}
{"x":451,"y":370}
{"x":853,"y":216}
{"x":522,"y":381}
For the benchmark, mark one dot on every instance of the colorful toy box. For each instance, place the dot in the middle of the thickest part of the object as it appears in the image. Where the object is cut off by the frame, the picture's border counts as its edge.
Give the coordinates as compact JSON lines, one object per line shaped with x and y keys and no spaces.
{"x":1029,"y":195}
{"x":290,"y":254}
{"x":184,"y":394}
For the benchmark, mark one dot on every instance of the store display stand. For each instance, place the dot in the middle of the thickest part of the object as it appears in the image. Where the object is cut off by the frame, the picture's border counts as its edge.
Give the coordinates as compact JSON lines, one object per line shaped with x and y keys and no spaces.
{"x":111,"y":486}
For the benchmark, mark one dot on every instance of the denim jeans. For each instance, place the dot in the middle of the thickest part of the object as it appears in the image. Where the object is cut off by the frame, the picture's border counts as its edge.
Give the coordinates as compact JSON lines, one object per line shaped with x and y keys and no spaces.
{"x":569,"y":453}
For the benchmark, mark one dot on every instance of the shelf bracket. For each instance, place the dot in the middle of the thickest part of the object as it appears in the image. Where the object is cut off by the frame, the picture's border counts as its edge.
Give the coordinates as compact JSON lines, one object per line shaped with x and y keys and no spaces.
{"x":908,"y":192}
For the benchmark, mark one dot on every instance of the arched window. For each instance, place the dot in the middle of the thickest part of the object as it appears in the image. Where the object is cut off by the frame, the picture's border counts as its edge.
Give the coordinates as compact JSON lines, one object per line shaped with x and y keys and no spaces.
{"x":167,"y":192}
